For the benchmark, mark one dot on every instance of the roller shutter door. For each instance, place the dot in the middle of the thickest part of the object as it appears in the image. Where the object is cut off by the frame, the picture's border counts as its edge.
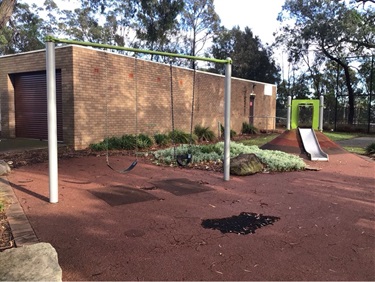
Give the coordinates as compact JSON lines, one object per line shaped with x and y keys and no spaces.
{"x":31,"y":105}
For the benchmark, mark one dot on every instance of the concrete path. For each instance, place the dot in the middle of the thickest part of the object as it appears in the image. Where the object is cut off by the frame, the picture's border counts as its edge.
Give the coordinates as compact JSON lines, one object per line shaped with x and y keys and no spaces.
{"x":362,"y":142}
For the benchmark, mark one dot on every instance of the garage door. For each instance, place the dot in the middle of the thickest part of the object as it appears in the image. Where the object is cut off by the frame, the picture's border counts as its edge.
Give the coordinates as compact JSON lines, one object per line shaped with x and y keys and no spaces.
{"x":31,"y":105}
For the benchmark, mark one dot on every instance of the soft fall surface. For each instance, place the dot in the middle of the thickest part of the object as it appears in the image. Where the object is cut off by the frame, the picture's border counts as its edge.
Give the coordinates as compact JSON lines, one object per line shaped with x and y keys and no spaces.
{"x":324,"y":228}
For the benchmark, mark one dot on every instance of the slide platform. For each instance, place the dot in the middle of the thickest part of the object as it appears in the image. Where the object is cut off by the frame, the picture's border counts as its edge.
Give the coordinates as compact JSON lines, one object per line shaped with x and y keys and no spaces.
{"x":311,"y":145}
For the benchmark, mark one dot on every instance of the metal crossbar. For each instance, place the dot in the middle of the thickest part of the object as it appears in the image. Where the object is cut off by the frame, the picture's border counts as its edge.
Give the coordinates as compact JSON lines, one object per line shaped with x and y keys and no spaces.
{"x":106,"y":46}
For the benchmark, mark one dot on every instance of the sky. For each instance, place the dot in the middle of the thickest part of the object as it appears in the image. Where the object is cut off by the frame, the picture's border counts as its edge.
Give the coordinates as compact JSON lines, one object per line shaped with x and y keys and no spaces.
{"x":259,"y":15}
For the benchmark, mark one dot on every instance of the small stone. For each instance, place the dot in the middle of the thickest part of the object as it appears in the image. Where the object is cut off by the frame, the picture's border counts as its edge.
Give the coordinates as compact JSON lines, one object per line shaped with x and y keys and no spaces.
{"x":4,"y":168}
{"x":246,"y":164}
{"x":37,"y":262}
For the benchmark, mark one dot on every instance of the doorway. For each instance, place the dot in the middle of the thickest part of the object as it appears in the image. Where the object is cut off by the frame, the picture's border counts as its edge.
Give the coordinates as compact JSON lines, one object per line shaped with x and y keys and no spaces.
{"x":251,"y":109}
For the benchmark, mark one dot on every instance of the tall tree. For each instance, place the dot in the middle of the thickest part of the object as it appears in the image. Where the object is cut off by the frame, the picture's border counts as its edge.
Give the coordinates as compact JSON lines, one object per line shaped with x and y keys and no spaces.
{"x":331,"y":29}
{"x":25,"y":31}
{"x":251,"y":60}
{"x":157,"y":22}
{"x":199,"y":23}
{"x":82,"y":24}
{"x":120,"y":20}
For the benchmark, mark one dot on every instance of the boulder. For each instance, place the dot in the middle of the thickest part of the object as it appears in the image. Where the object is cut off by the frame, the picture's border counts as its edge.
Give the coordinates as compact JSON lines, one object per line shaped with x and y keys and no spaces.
{"x":37,"y":262}
{"x":4,"y":168}
{"x":246,"y":164}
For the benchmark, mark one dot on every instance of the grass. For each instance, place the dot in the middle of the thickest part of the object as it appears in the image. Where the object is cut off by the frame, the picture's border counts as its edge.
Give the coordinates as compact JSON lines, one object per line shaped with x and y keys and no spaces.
{"x":259,"y":140}
{"x":338,"y":136}
{"x":356,"y":150}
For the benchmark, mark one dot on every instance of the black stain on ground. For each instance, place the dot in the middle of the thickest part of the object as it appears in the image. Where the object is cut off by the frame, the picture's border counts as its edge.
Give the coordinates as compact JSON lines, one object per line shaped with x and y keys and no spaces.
{"x":243,"y":224}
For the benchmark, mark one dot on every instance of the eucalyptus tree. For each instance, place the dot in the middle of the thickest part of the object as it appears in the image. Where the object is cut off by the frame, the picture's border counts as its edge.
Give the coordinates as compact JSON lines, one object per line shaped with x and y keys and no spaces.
{"x":295,"y":87}
{"x":82,"y":24}
{"x":199,"y":23}
{"x":6,"y":11}
{"x":157,"y":24}
{"x":107,"y":22}
{"x":251,"y":60}
{"x":333,"y":30}
{"x":367,"y":74}
{"x":25,"y":30}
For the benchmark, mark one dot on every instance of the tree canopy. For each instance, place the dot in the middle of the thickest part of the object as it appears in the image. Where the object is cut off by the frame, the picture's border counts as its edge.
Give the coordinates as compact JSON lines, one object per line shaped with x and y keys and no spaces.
{"x":328,"y":30}
{"x":182,"y":26}
{"x":251,"y":60}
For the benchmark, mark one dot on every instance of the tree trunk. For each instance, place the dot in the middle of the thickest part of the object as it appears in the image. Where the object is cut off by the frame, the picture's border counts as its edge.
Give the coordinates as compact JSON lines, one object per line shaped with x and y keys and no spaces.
{"x":350,"y":93}
{"x":348,"y":82}
{"x":6,"y":11}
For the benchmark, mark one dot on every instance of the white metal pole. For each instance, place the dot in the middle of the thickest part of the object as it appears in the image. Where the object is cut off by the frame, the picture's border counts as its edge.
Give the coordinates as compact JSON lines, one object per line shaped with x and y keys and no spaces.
{"x":288,"y":112}
{"x":321,"y":109}
{"x":52,"y":122}
{"x":227,"y":99}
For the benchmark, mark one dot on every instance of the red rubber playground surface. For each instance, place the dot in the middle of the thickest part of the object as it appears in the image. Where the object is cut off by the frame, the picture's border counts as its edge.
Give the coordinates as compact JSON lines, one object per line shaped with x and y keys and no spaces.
{"x":147,"y":224}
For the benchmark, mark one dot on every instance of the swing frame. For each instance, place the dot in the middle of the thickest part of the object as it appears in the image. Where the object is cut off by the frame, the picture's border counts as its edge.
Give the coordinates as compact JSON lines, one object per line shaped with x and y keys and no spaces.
{"x":51,"y":102}
{"x":135,"y":162}
{"x":185,"y":159}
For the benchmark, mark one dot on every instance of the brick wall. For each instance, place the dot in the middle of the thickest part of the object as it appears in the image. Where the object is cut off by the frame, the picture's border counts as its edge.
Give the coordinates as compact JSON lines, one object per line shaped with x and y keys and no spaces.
{"x":107,"y":94}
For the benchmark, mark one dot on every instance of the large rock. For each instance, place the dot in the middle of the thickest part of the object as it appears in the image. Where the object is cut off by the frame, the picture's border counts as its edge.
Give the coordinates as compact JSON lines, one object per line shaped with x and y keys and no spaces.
{"x":4,"y":168}
{"x":37,"y":262}
{"x":246,"y":164}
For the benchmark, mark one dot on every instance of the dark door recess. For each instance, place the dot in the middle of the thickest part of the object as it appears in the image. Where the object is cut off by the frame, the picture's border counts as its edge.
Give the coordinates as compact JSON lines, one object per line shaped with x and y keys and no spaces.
{"x":251,"y":111}
{"x":30,"y":90}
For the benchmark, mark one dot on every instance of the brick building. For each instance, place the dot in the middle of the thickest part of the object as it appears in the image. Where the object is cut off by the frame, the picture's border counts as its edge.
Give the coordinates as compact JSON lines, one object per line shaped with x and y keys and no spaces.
{"x":102,"y":94}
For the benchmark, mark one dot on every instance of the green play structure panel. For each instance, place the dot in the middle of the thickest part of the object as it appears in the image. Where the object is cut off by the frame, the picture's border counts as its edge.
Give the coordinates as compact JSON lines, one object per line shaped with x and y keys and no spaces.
{"x":305,"y":113}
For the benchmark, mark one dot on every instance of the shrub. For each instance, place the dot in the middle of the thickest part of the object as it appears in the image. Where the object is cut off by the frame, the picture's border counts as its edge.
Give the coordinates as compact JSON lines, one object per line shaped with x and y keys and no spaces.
{"x":98,"y":146}
{"x":144,"y":141}
{"x":128,"y":142}
{"x":232,"y":132}
{"x":111,"y":143}
{"x":161,"y":139}
{"x":204,"y":133}
{"x":178,"y":136}
{"x":125,"y":142}
{"x":370,"y":149}
{"x":211,"y":148}
{"x":275,"y":160}
{"x":114,"y":143}
{"x":248,"y":128}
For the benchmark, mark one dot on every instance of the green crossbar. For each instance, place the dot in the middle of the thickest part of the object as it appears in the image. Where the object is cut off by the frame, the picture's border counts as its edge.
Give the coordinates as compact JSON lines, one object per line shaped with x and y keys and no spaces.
{"x":106,"y":46}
